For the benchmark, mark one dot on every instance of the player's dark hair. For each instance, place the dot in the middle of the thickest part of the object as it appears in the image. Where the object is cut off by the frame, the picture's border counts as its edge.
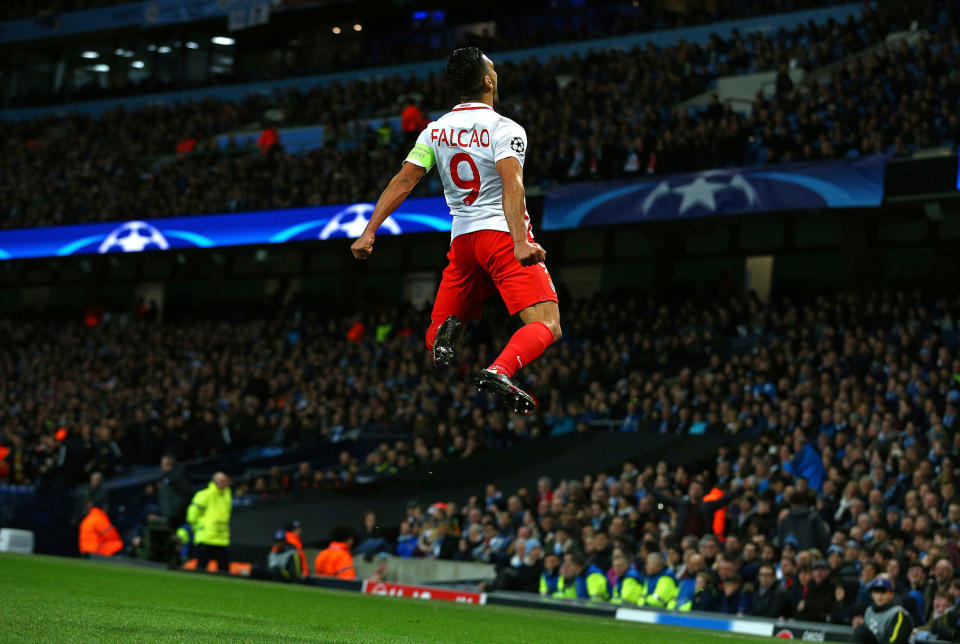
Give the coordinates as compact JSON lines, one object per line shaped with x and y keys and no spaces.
{"x":465,"y":71}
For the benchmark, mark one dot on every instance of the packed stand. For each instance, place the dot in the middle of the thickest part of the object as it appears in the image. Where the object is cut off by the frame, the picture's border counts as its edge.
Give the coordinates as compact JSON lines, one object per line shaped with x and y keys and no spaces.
{"x":164,"y":160}
{"x":384,"y":44}
{"x":846,"y":474}
{"x":899,"y":99}
{"x":128,"y":388}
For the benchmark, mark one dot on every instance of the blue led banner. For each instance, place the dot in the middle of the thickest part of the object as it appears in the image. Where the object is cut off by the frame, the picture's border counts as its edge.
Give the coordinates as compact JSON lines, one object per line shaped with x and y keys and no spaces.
{"x":428,"y":214}
{"x":829,"y":184}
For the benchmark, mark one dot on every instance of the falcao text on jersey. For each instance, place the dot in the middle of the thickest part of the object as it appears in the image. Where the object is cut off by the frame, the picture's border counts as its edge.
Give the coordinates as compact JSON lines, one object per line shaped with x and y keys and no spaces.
{"x":460,"y":138}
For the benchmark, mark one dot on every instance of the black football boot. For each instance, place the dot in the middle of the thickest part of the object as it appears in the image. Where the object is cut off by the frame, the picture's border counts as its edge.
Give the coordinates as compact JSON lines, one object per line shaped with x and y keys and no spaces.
{"x":506,"y":391}
{"x":447,"y":334}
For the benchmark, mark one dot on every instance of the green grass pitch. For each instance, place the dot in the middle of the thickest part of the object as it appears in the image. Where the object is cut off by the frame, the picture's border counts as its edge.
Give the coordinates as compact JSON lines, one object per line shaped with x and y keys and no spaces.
{"x":51,"y":599}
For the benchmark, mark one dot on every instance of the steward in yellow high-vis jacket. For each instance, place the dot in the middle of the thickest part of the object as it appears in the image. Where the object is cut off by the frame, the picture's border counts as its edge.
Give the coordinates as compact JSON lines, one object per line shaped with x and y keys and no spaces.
{"x":209,"y":517}
{"x":628,"y":587}
{"x":660,"y":588}
{"x":550,"y":575}
{"x":578,"y":581}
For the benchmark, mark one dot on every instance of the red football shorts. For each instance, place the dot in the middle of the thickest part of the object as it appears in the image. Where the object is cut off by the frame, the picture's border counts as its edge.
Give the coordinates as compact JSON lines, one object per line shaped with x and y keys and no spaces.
{"x":482,"y":263}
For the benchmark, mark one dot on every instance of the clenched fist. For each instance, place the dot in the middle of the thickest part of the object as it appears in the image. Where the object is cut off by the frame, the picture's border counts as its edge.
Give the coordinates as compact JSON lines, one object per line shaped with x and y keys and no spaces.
{"x":529,"y":253}
{"x":362,"y":247}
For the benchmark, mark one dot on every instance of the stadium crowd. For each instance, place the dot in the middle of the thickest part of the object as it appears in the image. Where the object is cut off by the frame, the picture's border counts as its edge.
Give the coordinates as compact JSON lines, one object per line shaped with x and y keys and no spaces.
{"x":201,"y":387}
{"x":842,"y":484}
{"x":847,"y":407}
{"x":129,"y":389}
{"x":105,"y":169}
{"x":846,"y":473}
{"x":384,"y":44}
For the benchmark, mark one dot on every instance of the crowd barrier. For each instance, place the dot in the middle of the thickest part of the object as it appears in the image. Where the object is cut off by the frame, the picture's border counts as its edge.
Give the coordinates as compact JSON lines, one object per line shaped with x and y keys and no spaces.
{"x":799,"y":630}
{"x":806,"y":631}
{"x":19,"y":541}
{"x":430,"y":593}
{"x":408,"y":570}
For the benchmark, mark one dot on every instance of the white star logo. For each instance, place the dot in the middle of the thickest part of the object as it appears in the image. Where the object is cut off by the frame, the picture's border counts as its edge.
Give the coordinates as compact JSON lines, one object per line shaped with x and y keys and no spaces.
{"x":701,"y":192}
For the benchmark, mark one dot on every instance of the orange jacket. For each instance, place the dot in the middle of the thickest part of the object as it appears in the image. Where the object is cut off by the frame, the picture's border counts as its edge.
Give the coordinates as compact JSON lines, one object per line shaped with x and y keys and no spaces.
{"x":294,"y":541}
{"x":335,"y":561}
{"x":719,"y":517}
{"x":98,"y":536}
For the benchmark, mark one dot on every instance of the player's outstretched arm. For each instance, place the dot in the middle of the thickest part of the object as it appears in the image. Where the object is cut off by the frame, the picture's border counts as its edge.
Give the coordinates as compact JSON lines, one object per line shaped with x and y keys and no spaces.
{"x":392,"y":196}
{"x":514,"y":207}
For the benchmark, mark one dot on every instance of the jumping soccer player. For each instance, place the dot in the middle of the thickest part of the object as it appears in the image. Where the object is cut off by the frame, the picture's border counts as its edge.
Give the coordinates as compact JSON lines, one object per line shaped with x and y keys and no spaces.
{"x":479,"y":155}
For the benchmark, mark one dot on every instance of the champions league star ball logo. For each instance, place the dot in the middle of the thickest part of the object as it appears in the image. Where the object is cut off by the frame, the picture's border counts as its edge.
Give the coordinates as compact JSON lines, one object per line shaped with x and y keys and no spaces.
{"x":352,"y":221}
{"x":134,"y":237}
{"x":516,"y":144}
{"x":702,"y":191}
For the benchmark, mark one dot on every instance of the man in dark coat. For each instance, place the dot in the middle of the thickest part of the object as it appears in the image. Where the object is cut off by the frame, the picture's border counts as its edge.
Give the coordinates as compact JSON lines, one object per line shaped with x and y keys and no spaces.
{"x":820,"y":594}
{"x":804,"y":523}
{"x":694,"y":516}
{"x":734,"y":600}
{"x":706,"y":597}
{"x":769,"y":600}
{"x":173,"y":491}
{"x":845,"y":605}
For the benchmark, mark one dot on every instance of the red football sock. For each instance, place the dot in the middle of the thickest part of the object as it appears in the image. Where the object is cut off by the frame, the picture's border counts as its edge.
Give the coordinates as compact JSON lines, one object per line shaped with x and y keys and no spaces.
{"x":432,"y":334}
{"x":524,"y":347}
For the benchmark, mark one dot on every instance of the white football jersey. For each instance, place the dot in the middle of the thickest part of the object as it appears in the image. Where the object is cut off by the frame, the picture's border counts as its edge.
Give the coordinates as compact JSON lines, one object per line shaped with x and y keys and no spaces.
{"x":465,"y":145}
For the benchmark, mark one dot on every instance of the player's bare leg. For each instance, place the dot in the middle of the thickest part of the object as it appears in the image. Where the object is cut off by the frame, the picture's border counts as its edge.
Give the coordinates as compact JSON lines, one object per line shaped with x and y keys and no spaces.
{"x":541,"y":328}
{"x":547,"y":313}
